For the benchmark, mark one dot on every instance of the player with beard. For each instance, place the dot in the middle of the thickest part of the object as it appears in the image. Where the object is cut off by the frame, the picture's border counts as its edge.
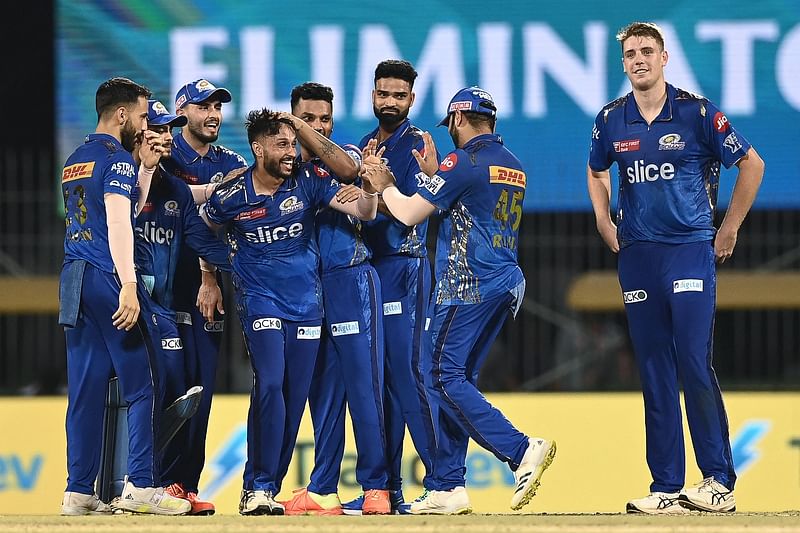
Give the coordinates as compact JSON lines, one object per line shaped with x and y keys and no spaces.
{"x":105,"y":332}
{"x":268,"y":213}
{"x":400,"y":257}
{"x":198,"y":298}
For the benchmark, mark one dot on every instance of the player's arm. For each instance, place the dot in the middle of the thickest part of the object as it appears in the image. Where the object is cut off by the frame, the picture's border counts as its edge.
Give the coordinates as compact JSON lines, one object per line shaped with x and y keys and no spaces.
{"x":120,"y":244}
{"x":201,"y":193}
{"x":333,"y":155}
{"x":150,"y":151}
{"x":356,"y":202}
{"x":599,"y":185}
{"x":409,"y":210}
{"x":751,"y":171}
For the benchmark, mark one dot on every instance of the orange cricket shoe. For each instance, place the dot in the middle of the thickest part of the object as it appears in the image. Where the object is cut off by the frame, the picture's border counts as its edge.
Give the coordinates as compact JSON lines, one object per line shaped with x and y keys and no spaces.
{"x":199,"y":507}
{"x":305,"y":502}
{"x":376,"y":502}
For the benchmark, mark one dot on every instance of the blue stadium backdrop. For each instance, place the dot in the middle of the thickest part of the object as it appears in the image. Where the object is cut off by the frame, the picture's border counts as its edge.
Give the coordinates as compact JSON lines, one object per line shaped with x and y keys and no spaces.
{"x":549,"y":65}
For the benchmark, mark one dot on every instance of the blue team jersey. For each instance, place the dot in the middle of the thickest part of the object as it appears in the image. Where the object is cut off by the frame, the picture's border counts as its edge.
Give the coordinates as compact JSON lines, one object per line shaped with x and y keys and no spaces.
{"x":481,"y":187}
{"x":339,"y":234}
{"x":669,"y":170}
{"x":385,"y":235}
{"x":273,"y":249}
{"x":99,"y":166}
{"x":169,"y":219}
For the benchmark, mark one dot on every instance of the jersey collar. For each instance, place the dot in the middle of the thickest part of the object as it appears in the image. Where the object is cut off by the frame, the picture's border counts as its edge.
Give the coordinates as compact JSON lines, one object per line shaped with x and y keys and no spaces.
{"x":104,"y":137}
{"x":188,"y":154}
{"x":252,"y":197}
{"x":482,"y":138}
{"x":632,"y":113}
{"x":395,"y":137}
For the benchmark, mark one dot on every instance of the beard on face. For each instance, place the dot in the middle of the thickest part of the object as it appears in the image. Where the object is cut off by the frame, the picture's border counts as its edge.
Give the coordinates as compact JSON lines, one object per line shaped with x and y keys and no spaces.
{"x":274,"y":168}
{"x":390,"y":118}
{"x":451,"y":129}
{"x":197,"y":131}
{"x":129,"y":136}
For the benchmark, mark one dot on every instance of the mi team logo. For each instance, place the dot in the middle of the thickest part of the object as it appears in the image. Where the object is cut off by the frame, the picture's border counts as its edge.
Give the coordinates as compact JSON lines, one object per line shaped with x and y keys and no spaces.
{"x":77,"y":171}
{"x":506,"y":176}
{"x":634,"y":297}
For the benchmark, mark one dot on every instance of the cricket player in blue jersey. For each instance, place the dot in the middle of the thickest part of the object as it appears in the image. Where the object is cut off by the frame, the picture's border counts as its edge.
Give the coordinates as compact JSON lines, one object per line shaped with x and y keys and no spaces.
{"x":105,"y":332}
{"x":399,"y":255}
{"x":480,"y":186}
{"x":668,"y":145}
{"x":268,"y":213}
{"x":349,"y":368}
{"x":169,"y":218}
{"x":197,"y":295}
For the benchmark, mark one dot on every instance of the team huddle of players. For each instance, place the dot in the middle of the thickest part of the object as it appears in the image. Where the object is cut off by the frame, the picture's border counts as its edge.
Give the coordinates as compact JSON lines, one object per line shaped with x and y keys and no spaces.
{"x":326,"y":250}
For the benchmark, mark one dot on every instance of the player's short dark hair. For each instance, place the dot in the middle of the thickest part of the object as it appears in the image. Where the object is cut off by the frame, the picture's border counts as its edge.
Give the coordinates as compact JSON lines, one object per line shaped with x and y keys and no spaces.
{"x":396,"y":68}
{"x":480,"y":120}
{"x":641,"y":29}
{"x":118,"y":92}
{"x":264,"y":122}
{"x":311,"y":90}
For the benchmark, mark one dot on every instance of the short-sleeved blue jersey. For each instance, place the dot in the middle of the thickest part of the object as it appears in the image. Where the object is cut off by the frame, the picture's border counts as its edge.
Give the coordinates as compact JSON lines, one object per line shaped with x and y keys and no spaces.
{"x":481,"y":186}
{"x":100,"y":165}
{"x":272,"y":241}
{"x":169,"y":219}
{"x":385,"y":235}
{"x":338,"y":234}
{"x":668,"y":170}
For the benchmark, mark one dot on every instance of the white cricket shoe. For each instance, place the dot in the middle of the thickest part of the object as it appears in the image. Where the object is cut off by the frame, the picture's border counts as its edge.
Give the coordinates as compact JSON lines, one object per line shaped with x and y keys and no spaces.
{"x":528,"y":476}
{"x":657,"y":503}
{"x":453,"y":501}
{"x":259,"y":502}
{"x":78,"y":504}
{"x":150,"y":500}
{"x":708,"y":495}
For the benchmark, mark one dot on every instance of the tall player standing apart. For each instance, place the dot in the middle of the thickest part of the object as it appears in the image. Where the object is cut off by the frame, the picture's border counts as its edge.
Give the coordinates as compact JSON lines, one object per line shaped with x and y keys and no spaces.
{"x":480,"y":186}
{"x":268,"y":213}
{"x":668,"y":145}
{"x":104,"y":331}
{"x":350,"y":364}
{"x":400,"y":257}
{"x":197,"y":294}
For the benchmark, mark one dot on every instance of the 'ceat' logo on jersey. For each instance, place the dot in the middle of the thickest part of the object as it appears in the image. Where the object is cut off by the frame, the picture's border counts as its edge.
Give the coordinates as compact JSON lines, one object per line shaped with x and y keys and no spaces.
{"x":642,"y":171}
{"x":261,"y":212}
{"x":77,"y":171}
{"x":449,"y":163}
{"x":631,"y":145}
{"x":506,"y":176}
{"x":268,"y":235}
{"x":721,"y":123}
{"x":632,"y":297}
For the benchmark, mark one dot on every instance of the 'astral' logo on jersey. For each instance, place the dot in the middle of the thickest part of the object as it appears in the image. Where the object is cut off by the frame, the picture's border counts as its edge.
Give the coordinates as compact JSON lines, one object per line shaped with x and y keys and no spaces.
{"x":344,"y":328}
{"x":641,"y":172}
{"x":123,"y":169}
{"x":290,"y":205}
{"x":632,"y":297}
{"x":267,"y":323}
{"x":309,"y":332}
{"x":671,"y":141}
{"x":171,"y":344}
{"x":269,"y":235}
{"x":154,"y":234}
{"x":687,"y":285}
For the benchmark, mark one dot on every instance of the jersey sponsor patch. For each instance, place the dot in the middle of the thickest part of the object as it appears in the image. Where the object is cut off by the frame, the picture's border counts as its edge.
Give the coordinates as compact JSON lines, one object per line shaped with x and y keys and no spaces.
{"x":122,"y":168}
{"x":261,"y":212}
{"x":427,"y":323}
{"x":309,"y":332}
{"x":434,"y":184}
{"x":630,"y":145}
{"x":671,"y":141}
{"x":721,"y":123}
{"x":290,"y":205}
{"x":267,"y":323}
{"x":77,"y":171}
{"x":172,"y":344}
{"x":448,"y":163}
{"x":732,"y":142}
{"x":506,"y":176}
{"x":392,"y":308}
{"x":183,"y":318}
{"x":171,"y":208}
{"x":687,"y":285}
{"x":459,"y":106}
{"x":124,"y":186}
{"x":217,"y":326}
{"x":633,"y":297}
{"x":321,"y":172}
{"x":345,"y":328}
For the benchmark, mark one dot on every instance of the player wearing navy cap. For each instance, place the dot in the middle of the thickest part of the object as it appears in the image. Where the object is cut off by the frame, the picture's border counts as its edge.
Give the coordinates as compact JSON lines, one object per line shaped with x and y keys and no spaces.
{"x":400,"y":257}
{"x":268,"y":213}
{"x":197,"y":295}
{"x":480,"y":186}
{"x":100,"y":304}
{"x":668,"y":145}
{"x":349,"y":368}
{"x":168,"y":219}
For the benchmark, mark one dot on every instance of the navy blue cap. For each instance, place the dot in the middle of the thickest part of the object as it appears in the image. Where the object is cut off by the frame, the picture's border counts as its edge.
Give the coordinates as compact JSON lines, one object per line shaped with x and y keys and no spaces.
{"x":200,"y":91}
{"x":158,"y":115}
{"x":471,"y":99}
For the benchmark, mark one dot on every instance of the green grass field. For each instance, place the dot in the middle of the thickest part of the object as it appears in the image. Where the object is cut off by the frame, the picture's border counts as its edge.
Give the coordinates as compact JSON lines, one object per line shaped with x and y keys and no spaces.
{"x":526,"y":523}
